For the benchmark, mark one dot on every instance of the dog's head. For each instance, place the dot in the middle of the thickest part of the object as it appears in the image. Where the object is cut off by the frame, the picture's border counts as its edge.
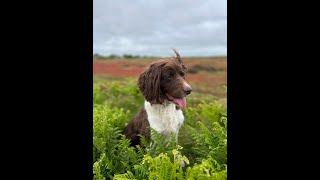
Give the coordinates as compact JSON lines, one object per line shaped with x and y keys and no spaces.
{"x":165,"y":79}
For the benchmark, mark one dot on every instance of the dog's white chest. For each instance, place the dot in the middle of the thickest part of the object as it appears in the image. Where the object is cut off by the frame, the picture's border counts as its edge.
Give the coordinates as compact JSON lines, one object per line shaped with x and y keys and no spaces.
{"x":164,"y":118}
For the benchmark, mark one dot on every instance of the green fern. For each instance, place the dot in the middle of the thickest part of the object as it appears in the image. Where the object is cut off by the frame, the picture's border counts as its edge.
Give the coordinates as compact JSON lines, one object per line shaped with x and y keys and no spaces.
{"x":162,"y":167}
{"x":161,"y":143}
{"x":112,"y":152}
{"x":98,"y":95}
{"x":208,"y":169}
{"x":202,"y":139}
{"x":106,"y":127}
{"x":212,"y":140}
{"x":206,"y":133}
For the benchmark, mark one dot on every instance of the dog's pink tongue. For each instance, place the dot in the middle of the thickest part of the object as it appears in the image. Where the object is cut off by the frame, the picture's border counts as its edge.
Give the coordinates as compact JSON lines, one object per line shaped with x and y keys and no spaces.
{"x":181,"y":102}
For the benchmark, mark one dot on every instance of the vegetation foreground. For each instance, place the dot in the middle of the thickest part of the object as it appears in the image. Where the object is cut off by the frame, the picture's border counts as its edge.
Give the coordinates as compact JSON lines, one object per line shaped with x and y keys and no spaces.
{"x":202,"y":142}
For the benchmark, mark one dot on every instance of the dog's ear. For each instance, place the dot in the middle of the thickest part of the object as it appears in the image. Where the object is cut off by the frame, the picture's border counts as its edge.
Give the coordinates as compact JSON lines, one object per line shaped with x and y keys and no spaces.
{"x":149,"y":83}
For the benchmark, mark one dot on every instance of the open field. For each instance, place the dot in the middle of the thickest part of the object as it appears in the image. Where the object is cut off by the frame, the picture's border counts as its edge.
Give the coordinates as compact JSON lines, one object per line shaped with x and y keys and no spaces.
{"x":205,"y":75}
{"x":202,"y":140}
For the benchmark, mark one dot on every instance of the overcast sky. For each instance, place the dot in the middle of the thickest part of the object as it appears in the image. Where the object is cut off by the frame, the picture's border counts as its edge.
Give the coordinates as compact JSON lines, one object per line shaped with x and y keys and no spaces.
{"x":153,"y":28}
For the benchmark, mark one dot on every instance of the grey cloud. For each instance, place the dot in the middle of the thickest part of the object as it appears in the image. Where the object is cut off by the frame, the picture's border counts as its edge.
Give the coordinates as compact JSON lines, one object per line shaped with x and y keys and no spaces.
{"x":143,"y":27}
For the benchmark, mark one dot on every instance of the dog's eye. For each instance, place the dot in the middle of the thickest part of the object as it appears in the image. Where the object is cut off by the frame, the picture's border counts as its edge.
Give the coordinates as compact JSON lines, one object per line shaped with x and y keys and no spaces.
{"x":182,"y":74}
{"x":169,"y":76}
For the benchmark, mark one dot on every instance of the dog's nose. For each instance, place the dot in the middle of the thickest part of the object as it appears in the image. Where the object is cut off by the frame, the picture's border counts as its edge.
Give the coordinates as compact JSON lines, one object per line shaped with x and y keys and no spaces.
{"x":188,"y":90}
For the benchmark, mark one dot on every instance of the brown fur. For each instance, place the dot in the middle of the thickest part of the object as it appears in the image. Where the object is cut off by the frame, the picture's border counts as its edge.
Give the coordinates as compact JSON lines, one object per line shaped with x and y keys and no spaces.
{"x":139,"y":125}
{"x":166,"y":76}
{"x":163,"y":76}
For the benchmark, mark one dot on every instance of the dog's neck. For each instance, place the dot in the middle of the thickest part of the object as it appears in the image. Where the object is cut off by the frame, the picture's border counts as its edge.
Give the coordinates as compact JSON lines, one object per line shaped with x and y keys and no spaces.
{"x":165,"y":118}
{"x":160,"y":109}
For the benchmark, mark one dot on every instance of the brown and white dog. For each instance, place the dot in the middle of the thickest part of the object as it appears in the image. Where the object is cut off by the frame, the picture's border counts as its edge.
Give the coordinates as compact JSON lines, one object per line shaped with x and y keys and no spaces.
{"x":164,"y":88}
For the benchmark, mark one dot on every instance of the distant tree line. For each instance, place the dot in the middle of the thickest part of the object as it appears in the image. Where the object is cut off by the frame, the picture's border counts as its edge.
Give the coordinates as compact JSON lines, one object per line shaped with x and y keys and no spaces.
{"x":115,"y":56}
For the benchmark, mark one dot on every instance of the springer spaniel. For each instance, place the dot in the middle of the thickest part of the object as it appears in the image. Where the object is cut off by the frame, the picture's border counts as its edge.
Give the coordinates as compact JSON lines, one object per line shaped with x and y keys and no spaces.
{"x":164,"y":88}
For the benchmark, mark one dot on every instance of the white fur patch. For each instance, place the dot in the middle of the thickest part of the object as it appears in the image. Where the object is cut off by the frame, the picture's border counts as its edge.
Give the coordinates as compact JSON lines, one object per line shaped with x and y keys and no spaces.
{"x":164,"y":118}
